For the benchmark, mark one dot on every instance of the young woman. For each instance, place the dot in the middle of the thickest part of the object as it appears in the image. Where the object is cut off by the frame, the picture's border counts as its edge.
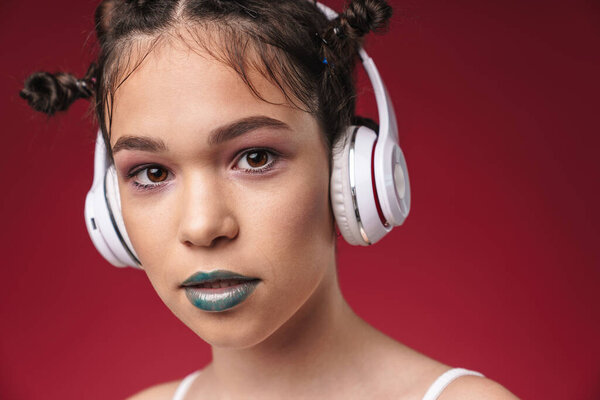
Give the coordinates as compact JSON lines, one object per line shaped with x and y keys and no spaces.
{"x":221,"y":119}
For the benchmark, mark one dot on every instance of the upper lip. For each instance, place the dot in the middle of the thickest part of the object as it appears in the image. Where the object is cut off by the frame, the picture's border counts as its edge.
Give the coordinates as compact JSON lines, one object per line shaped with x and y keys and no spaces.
{"x":219,"y":274}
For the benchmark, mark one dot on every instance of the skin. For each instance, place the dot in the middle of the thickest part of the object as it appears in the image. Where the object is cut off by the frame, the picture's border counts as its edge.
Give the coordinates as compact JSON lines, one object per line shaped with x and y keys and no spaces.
{"x":295,"y":336}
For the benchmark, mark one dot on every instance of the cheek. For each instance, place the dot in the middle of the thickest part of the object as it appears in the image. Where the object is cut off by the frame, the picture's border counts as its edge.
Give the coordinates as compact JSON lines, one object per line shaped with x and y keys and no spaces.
{"x":303,"y":221}
{"x":294,"y":230}
{"x":142,"y":219}
{"x":149,"y":223}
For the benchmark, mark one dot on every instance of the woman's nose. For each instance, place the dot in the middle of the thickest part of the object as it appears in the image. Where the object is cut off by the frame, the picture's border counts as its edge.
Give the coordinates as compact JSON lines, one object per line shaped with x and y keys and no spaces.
{"x":205,"y":215}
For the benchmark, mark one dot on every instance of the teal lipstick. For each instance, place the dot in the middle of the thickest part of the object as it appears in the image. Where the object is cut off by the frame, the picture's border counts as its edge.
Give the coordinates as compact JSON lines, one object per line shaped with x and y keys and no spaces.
{"x":218,"y":290}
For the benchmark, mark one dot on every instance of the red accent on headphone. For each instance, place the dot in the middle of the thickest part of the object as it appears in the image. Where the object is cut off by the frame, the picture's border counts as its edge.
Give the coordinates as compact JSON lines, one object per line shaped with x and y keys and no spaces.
{"x":379,"y":212}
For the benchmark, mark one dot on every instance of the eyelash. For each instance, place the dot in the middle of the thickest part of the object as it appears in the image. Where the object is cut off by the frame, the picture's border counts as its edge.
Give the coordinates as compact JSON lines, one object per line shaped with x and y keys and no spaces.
{"x":272,"y":155}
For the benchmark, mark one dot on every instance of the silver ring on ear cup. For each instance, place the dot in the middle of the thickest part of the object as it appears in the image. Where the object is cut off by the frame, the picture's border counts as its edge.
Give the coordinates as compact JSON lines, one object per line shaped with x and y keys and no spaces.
{"x":342,"y":200}
{"x":352,"y":179}
{"x":353,"y":190}
{"x":111,"y":197}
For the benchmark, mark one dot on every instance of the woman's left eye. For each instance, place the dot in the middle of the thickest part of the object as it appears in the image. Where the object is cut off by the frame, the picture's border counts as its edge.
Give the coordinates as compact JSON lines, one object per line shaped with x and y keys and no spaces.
{"x":256,"y":161}
{"x":150,"y":176}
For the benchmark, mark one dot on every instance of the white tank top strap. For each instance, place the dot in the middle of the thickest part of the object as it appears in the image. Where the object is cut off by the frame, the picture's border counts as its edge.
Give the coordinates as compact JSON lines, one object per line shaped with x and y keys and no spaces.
{"x":185,"y":385}
{"x":444,"y":380}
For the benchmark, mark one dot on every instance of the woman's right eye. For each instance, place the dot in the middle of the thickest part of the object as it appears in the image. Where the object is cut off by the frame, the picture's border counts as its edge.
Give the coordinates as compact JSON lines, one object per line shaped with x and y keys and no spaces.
{"x":149,"y":177}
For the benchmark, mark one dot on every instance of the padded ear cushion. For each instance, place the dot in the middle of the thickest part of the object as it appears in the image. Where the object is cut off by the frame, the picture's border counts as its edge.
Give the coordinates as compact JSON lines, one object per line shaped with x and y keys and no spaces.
{"x":341,"y":192}
{"x":114,"y":202}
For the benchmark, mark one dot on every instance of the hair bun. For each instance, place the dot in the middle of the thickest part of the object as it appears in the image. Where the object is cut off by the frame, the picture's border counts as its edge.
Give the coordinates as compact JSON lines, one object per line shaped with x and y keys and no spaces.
{"x":48,"y":93}
{"x":103,"y":17}
{"x":363,"y":16}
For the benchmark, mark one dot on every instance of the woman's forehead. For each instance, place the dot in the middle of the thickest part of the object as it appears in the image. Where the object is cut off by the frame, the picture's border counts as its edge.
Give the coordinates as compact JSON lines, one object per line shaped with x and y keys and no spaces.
{"x":176,"y":87}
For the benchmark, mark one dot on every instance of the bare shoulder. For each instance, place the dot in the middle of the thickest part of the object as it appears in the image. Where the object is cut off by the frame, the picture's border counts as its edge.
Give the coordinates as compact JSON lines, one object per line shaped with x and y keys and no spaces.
{"x":420,"y":371}
{"x":476,"y":387}
{"x":162,"y":391}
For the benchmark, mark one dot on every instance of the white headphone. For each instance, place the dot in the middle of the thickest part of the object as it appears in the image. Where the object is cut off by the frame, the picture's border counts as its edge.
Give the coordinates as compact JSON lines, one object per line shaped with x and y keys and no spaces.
{"x":370,"y":190}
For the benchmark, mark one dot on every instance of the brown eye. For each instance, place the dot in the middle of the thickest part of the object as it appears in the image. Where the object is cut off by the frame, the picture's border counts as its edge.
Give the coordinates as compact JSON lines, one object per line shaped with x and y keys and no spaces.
{"x":152,"y":176}
{"x":257,"y":159}
{"x":156,"y":174}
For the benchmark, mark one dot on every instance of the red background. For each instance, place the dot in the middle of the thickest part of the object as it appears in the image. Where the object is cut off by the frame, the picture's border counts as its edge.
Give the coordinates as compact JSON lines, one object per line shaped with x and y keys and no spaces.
{"x":496,"y":269}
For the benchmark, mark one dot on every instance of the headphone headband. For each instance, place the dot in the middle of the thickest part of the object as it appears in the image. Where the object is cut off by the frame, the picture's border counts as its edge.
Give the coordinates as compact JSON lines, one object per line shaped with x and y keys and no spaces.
{"x":387,"y":118}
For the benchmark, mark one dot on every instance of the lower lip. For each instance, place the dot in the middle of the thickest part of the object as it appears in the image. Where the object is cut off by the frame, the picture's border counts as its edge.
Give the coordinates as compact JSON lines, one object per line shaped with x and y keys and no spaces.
{"x":220,"y":299}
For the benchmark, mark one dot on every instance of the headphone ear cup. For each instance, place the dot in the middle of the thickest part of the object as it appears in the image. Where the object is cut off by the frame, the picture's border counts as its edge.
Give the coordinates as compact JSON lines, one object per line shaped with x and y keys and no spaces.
{"x":353,"y":195}
{"x":113,"y":199}
{"x":102,"y":227}
{"x":106,"y":229}
{"x":341,"y":192}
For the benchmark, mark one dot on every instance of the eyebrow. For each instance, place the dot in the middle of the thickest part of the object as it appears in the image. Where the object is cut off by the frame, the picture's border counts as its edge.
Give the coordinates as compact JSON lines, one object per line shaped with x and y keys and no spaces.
{"x":216,"y":136}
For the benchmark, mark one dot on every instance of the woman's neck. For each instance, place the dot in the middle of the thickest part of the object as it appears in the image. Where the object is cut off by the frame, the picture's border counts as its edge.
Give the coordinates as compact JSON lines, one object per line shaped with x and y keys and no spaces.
{"x":310,"y":350}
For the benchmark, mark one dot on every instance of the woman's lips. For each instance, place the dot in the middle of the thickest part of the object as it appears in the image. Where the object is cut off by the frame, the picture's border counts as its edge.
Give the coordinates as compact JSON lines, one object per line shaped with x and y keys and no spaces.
{"x":202,"y":277}
{"x":220,"y":283}
{"x":218,"y":290}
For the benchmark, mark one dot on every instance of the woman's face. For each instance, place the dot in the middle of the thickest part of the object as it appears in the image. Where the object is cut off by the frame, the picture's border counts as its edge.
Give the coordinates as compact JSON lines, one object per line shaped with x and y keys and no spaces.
{"x":200,"y":193}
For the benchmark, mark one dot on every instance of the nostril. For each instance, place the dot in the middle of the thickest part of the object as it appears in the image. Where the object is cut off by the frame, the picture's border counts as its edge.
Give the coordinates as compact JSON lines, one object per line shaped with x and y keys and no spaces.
{"x":218,"y":241}
{"x":207,"y":230}
{"x":213,"y":243}
{"x":188,"y":243}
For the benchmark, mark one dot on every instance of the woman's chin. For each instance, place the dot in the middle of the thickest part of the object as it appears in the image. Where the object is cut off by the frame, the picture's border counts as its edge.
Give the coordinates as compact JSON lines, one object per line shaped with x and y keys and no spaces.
{"x":231,"y":336}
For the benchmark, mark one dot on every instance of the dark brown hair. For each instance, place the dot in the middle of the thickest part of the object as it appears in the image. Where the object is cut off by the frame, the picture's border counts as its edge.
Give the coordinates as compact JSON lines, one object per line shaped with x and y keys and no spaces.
{"x":290,"y":42}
